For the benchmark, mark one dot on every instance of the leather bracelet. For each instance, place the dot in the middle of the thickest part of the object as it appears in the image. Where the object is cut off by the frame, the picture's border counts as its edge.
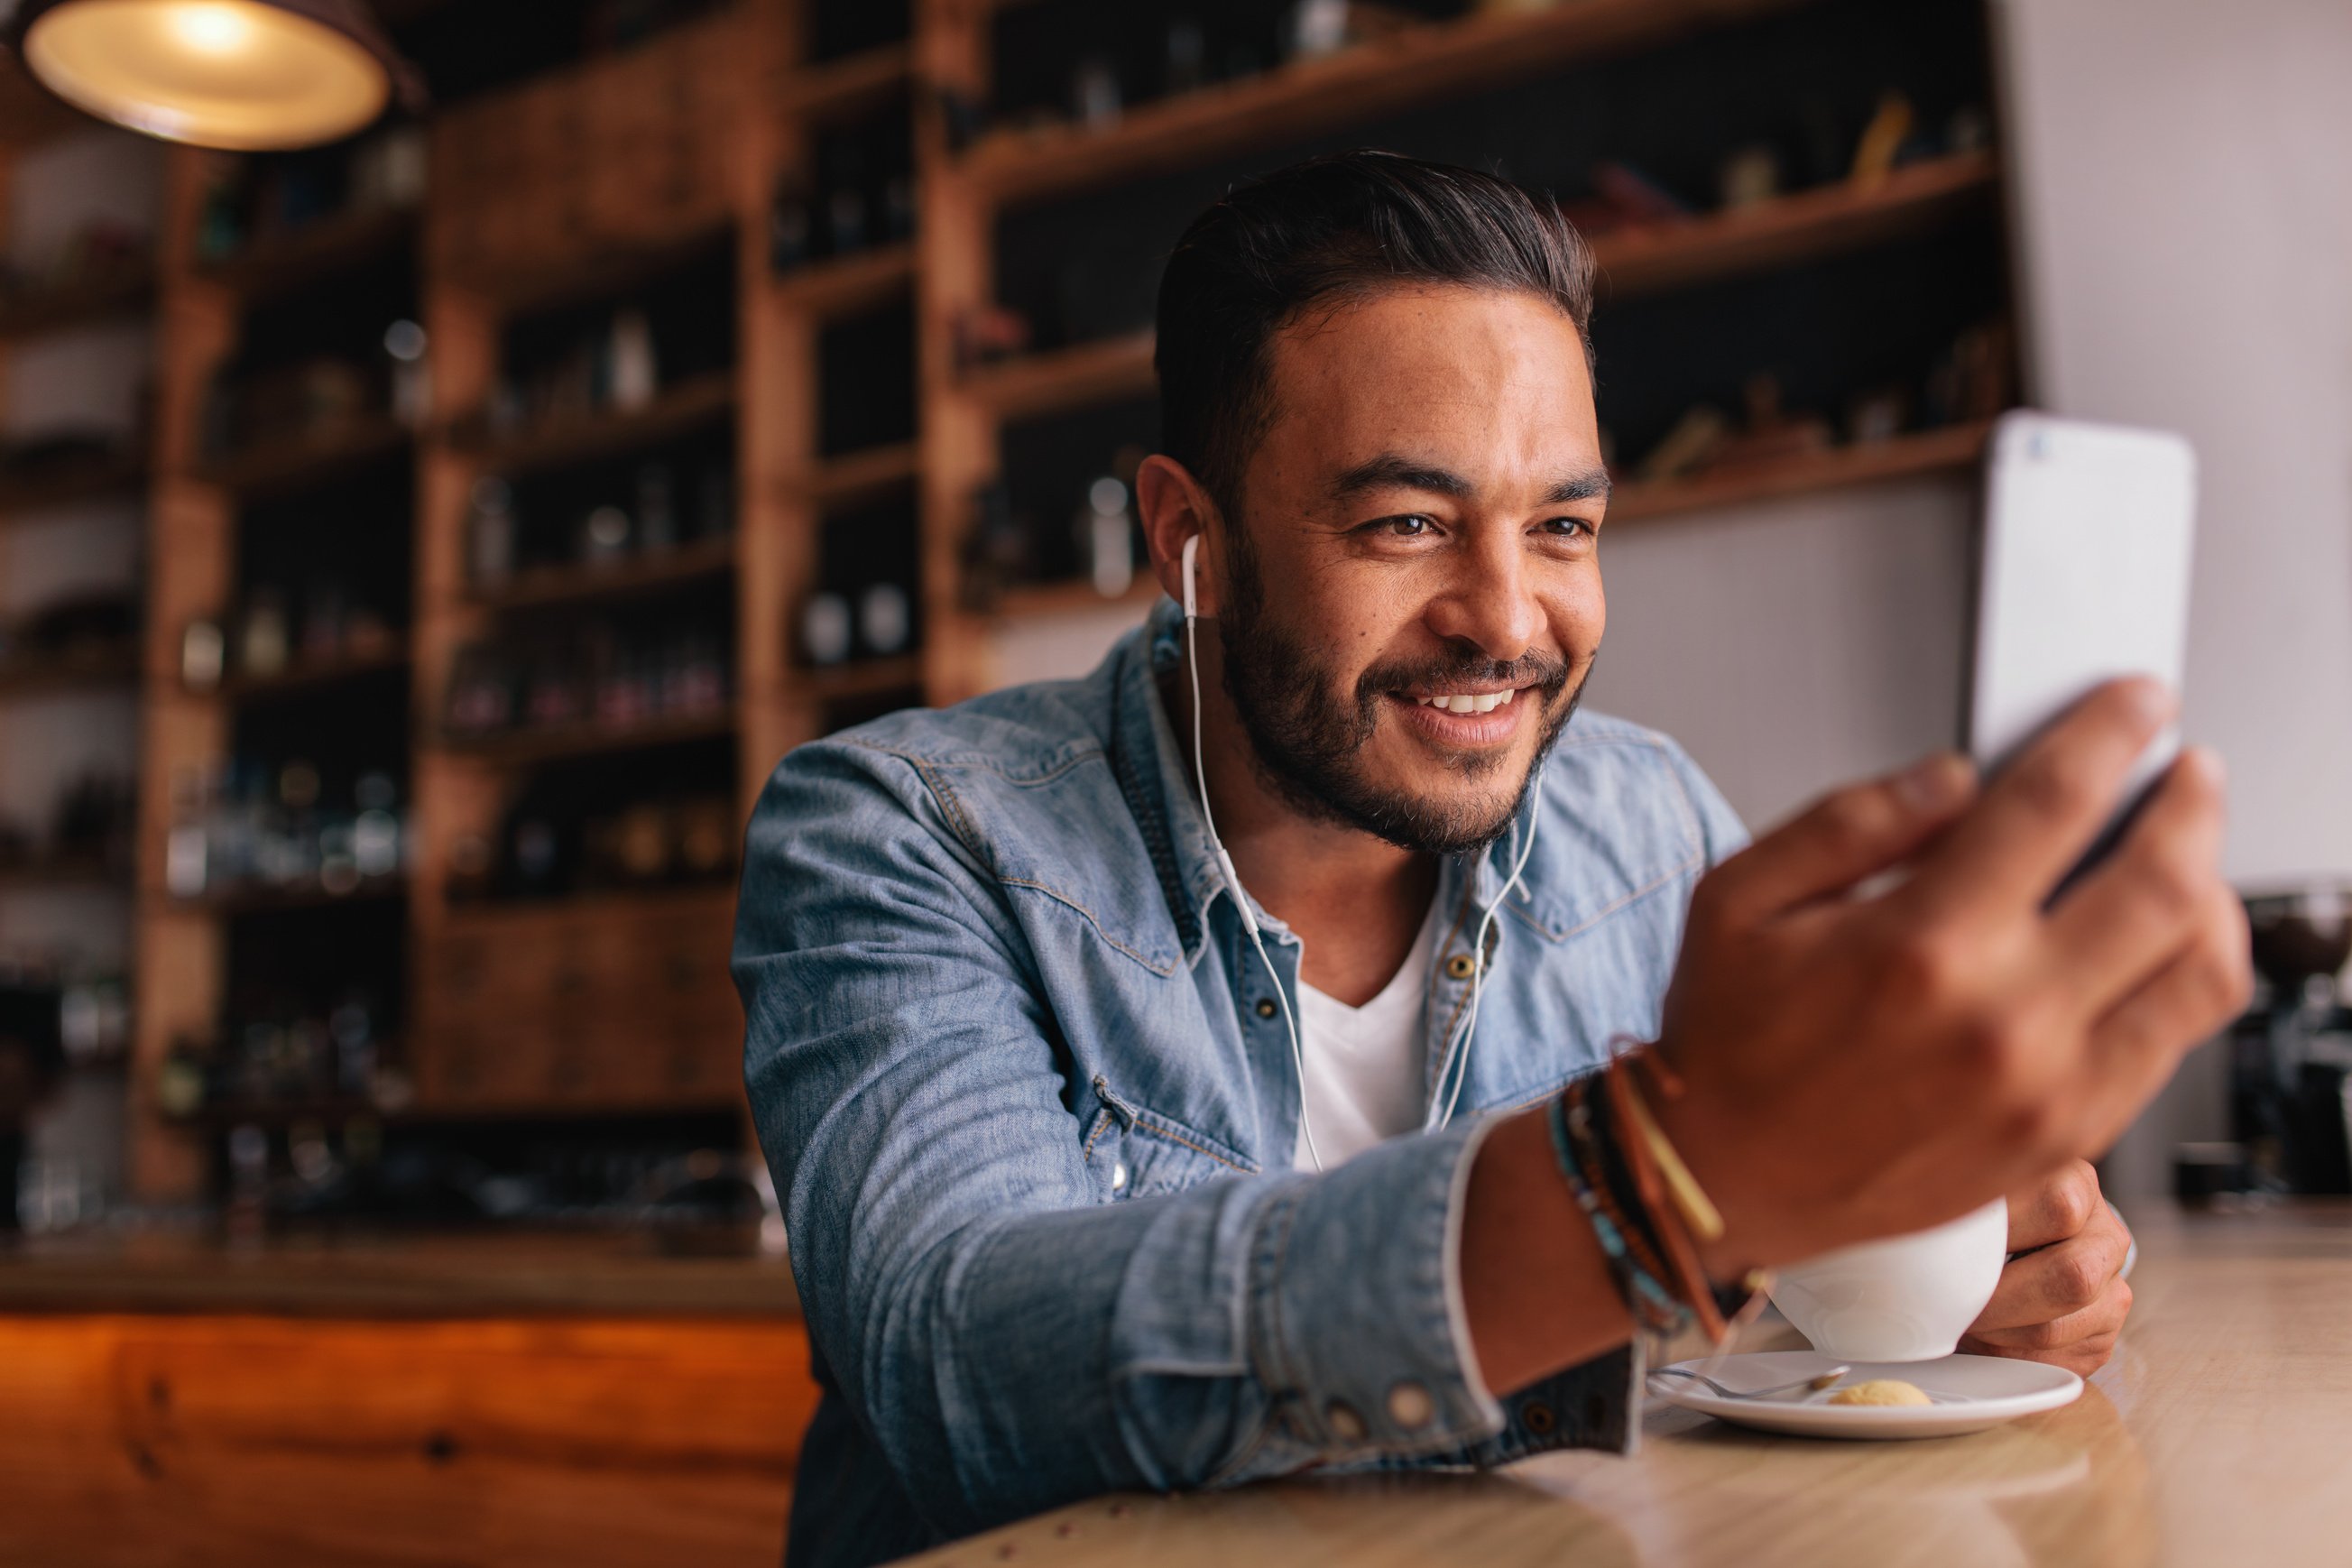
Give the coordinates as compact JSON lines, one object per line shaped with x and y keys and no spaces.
{"x":1689,"y":1281}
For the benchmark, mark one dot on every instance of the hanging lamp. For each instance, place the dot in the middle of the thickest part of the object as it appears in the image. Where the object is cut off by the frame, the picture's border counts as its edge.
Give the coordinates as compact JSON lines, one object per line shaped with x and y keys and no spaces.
{"x":243,"y":75}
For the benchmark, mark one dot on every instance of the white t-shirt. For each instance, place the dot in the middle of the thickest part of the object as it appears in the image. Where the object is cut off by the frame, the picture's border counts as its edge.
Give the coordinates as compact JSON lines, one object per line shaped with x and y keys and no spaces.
{"x":1365,"y":1065}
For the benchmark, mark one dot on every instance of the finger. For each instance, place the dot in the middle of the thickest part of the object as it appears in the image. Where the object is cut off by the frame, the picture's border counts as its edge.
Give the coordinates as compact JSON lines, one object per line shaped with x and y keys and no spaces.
{"x":2115,"y":929}
{"x":2135,"y":1048}
{"x":2057,"y":1283}
{"x":2064,"y":1204}
{"x":2082,"y":1358}
{"x":1843,"y":838}
{"x":2104,"y":1316}
{"x":2046,"y":805}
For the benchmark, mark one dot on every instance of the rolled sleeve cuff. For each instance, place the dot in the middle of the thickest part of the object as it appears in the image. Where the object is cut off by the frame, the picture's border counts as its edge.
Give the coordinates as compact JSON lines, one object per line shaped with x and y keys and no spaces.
{"x":1359,"y":1332}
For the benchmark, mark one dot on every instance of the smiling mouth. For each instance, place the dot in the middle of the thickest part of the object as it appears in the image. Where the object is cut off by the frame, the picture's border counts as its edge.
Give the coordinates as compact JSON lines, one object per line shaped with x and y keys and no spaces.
{"x":1467,"y":701}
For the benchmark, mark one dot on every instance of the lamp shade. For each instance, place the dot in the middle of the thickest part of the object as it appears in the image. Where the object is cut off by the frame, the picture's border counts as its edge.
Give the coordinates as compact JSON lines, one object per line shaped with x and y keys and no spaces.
{"x":246,"y":74}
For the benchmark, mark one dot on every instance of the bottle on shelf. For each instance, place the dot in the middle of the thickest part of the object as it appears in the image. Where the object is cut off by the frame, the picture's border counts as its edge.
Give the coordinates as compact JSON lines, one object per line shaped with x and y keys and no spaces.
{"x":249,"y":827}
{"x":490,"y":532}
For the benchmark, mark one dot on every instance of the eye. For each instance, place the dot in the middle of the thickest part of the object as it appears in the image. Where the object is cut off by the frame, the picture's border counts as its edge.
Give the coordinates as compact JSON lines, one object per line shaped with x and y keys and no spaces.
{"x":1407,"y":525}
{"x":1567,"y":528}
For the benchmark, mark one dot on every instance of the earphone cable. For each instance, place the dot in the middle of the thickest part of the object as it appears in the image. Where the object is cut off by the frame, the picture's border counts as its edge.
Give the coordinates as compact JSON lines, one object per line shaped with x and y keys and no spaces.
{"x":1459,"y":1068}
{"x":1233,"y":881}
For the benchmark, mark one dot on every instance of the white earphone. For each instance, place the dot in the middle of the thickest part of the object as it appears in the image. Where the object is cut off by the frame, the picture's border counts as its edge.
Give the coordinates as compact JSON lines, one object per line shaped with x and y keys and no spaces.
{"x":1459,"y":1068}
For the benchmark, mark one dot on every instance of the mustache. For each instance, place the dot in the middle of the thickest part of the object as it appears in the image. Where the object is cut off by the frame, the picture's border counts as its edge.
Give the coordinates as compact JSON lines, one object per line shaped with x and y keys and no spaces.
{"x":1545,"y":672}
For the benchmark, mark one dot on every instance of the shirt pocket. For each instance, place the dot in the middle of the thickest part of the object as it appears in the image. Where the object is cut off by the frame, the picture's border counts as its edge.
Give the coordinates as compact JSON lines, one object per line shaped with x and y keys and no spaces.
{"x":1143,"y":1154}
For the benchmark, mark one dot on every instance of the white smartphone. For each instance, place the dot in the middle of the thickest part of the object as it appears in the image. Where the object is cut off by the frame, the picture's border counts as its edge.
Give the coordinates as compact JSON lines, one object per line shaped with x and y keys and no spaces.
{"x":2082,"y":575}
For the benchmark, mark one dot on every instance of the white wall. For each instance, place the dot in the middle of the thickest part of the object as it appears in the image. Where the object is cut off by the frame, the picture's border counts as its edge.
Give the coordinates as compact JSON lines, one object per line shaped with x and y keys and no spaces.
{"x":2183,"y":186}
{"x":1796,"y":644}
{"x":2183,"y":180}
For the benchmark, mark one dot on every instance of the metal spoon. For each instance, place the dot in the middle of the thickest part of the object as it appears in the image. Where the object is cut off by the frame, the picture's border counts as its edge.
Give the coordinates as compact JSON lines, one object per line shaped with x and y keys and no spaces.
{"x":1814,"y":1384}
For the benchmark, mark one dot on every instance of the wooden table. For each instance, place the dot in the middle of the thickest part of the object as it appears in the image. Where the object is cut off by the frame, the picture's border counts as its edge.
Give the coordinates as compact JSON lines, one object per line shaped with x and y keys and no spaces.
{"x":2220,"y":1434}
{"x":492,"y":1401}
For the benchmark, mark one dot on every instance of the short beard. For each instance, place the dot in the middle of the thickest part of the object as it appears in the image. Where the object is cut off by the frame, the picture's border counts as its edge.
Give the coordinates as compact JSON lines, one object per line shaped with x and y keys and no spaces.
{"x":1304,"y":738}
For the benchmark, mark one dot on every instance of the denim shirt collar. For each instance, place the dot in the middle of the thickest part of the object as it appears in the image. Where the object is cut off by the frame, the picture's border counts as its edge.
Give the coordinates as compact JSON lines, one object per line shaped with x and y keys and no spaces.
{"x":1156,"y":774}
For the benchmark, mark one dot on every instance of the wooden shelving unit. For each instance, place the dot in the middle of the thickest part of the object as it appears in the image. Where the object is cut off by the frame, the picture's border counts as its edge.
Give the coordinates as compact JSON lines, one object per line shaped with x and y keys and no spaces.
{"x":51,"y":875}
{"x":266,"y":899}
{"x":553,"y":743}
{"x":688,"y":406}
{"x":305,"y":675}
{"x":1956,"y":448}
{"x":849,"y":284}
{"x":1422,"y":63}
{"x":332,"y":245}
{"x":71,"y":484}
{"x":546,"y":585}
{"x":303,"y":461}
{"x":81,"y":672}
{"x":837,"y":480}
{"x":1801,"y":226}
{"x":126,"y":291}
{"x":537,"y":203}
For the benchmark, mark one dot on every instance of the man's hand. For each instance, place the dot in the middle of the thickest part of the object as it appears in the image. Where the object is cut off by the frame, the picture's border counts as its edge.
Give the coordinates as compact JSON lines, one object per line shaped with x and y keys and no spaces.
{"x":2063,"y":1299}
{"x":1860,"y":1063}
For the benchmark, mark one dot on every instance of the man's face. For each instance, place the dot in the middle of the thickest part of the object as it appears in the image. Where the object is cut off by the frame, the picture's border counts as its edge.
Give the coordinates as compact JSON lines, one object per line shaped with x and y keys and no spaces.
{"x":1414,"y":597}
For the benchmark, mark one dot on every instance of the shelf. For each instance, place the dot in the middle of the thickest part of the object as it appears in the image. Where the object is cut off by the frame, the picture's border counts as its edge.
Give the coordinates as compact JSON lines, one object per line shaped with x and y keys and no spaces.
{"x":1420,"y":63}
{"x":1773,"y":233}
{"x":1956,"y":449}
{"x":591,"y":271}
{"x":90,"y":669}
{"x":855,"y":476}
{"x":266,"y":900}
{"x":1059,"y":379}
{"x":582,"y":584}
{"x":315,"y":250}
{"x":1800,"y":226}
{"x":69,"y":483}
{"x":705,"y":400}
{"x":120,"y":292}
{"x":338,"y":452}
{"x":548,"y":743}
{"x":836,"y":90}
{"x":63,"y":875}
{"x":862,"y":678}
{"x":1031,"y":600}
{"x":845,"y":285}
{"x":216,"y":1114}
{"x":309,"y":674}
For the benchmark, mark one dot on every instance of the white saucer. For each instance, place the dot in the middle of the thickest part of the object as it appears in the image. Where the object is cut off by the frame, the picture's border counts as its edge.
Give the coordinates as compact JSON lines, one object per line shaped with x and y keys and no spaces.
{"x":1972,"y":1392}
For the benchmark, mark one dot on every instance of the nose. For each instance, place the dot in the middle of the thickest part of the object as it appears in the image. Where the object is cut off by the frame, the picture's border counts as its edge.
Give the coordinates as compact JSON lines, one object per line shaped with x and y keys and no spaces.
{"x":1489,"y":600}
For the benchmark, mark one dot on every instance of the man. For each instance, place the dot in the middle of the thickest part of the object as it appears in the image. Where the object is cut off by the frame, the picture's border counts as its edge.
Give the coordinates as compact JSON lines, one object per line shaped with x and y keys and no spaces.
{"x":1071,"y":1209}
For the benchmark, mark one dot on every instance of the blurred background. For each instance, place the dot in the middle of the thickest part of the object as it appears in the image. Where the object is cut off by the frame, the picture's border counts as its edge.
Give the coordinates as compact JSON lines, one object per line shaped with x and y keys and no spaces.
{"x":417,"y":546}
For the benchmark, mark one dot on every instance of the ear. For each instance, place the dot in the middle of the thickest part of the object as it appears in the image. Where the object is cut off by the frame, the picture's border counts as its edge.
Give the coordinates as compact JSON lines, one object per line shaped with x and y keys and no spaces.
{"x":1173,"y":507}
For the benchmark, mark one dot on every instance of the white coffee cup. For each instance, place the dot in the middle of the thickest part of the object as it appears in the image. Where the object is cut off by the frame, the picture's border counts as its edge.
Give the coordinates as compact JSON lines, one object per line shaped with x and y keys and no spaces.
{"x":1906,"y":1297}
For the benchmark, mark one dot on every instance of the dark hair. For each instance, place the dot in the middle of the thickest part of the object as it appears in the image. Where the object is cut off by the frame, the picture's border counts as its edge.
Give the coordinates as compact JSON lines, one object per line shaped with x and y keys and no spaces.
{"x":1328,"y":230}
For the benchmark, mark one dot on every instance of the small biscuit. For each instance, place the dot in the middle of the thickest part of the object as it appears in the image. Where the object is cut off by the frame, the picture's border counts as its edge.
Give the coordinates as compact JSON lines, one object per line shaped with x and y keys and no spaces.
{"x":1880,"y":1391}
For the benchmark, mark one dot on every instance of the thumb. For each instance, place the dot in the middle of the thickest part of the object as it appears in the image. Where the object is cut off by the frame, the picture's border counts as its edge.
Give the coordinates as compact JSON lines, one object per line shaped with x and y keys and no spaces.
{"x":1845,"y":836}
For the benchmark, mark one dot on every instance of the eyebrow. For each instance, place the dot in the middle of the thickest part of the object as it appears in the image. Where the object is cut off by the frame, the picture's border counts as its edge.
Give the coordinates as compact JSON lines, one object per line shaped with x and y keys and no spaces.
{"x":1390,"y":470}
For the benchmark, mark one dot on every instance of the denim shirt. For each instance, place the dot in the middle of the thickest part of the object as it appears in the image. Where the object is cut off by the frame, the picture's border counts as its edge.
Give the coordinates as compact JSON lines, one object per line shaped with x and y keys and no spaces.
{"x":1011,"y":1057}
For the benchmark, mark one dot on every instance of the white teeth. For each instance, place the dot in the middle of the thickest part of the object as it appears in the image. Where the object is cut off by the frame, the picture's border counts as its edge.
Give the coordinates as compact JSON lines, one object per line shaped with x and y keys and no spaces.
{"x":1464,"y":704}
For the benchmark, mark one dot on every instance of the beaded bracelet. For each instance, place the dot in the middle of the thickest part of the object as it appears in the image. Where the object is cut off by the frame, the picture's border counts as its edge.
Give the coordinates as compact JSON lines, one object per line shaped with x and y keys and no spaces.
{"x":1652,"y":1305}
{"x":1593,"y":1138}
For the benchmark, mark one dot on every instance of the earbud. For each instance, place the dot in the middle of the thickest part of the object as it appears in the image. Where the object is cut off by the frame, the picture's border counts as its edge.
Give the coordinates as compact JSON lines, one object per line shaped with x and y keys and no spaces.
{"x":1192,"y":577}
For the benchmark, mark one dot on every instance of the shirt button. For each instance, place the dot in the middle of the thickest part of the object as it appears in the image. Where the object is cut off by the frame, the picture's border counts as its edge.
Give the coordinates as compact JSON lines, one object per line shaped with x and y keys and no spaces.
{"x":1346,"y":1424}
{"x":1266,"y":1007}
{"x":1410,"y":1405}
{"x":1459,"y":966}
{"x":1119,"y":1177}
